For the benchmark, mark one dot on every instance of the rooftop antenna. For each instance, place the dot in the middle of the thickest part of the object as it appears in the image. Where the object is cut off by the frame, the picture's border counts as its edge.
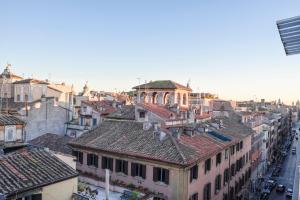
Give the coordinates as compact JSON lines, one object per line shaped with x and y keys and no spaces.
{"x":188,"y":83}
{"x":138,"y":95}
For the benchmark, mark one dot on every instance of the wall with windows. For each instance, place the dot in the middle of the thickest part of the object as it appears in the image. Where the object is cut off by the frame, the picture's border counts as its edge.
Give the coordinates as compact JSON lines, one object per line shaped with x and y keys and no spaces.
{"x":29,"y":92}
{"x":168,"y":180}
{"x":11,"y":133}
{"x":164,"y":97}
{"x":211,"y":179}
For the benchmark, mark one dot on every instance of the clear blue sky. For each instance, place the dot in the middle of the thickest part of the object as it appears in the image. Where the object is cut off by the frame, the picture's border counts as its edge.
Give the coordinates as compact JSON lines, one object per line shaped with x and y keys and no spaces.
{"x":227,"y":47}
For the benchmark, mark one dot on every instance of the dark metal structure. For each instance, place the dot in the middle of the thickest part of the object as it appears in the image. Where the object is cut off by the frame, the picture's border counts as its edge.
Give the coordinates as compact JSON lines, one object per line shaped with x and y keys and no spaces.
{"x":289,"y":30}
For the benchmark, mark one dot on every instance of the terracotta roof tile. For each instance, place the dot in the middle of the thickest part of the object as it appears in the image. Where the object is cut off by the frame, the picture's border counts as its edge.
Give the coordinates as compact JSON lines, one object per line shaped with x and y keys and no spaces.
{"x":31,"y":169}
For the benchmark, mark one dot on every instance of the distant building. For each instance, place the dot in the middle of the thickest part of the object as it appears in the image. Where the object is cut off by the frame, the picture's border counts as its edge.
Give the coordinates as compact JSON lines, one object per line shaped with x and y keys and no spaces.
{"x":7,"y":78}
{"x":36,"y":174}
{"x":164,"y":92}
{"x":12,"y":133}
{"x":91,"y":114}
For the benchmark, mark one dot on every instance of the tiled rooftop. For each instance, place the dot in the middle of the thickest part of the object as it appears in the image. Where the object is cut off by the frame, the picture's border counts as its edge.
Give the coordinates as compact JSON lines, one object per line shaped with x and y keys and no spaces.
{"x":31,"y":169}
{"x":54,"y":142}
{"x":10,"y":120}
{"x":162,"y":84}
{"x":30,"y":80}
{"x":161,"y":111}
{"x":129,"y":138}
{"x":125,"y":112}
{"x":104,"y":107}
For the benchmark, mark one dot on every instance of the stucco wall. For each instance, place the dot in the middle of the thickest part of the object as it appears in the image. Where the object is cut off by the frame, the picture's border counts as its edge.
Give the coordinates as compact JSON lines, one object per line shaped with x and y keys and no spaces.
{"x":60,"y":191}
{"x":44,"y":117}
{"x":176,"y":189}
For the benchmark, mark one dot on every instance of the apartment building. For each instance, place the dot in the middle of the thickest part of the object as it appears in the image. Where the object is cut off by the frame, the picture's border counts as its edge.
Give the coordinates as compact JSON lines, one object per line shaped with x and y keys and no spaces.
{"x":189,"y":163}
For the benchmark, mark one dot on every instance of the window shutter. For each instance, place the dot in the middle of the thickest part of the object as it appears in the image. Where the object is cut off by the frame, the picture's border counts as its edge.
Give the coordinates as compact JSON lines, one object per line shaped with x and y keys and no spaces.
{"x":125,"y":167}
{"x":167,"y":177}
{"x":196,"y":172}
{"x":118,"y":166}
{"x":103,"y":162}
{"x":81,"y":157}
{"x":191,"y":174}
{"x":111,"y":164}
{"x":155,"y":174}
{"x":88,"y":161}
{"x":133,"y":166}
{"x":96,"y":161}
{"x":144,"y":171}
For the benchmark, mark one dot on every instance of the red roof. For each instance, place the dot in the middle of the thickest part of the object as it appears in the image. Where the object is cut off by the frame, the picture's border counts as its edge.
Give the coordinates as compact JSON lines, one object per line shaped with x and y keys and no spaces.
{"x":203,"y":144}
{"x":104,"y":107}
{"x":161,"y":111}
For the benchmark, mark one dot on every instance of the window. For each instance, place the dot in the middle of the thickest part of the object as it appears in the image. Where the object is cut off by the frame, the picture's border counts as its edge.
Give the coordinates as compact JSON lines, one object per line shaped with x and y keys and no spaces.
{"x":178,"y":99}
{"x":207,"y":165}
{"x":122,"y":166}
{"x":84,"y":108}
{"x":218,"y":182}
{"x":9,"y":135}
{"x":142,"y":114}
{"x":237,"y":147}
{"x":226,"y":154}
{"x":193,"y":173}
{"x":232,"y":150}
{"x":78,"y":155}
{"x":218,"y":159}
{"x":207,"y":192}
{"x":94,"y":122}
{"x":138,"y":170}
{"x":92,"y":159}
{"x":184,"y":99}
{"x":107,"y":163}
{"x":232,"y":169}
{"x":81,"y":121}
{"x":194,"y":197}
{"x":225,"y":196}
{"x":226,"y":176}
{"x":18,"y":98}
{"x":160,"y":175}
{"x":241,"y":145}
{"x":26,"y":97}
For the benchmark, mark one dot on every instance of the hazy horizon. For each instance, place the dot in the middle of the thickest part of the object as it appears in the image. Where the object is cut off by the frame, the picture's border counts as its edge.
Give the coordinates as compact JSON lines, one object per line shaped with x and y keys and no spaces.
{"x":230,"y":48}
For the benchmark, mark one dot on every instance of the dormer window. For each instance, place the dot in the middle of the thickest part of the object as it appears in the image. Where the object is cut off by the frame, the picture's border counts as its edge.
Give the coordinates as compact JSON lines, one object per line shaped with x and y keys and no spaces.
{"x":142,"y":114}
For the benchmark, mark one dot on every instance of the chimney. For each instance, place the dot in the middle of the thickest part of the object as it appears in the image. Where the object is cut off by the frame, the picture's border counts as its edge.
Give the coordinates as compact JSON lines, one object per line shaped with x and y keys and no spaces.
{"x":159,"y":135}
{"x":147,"y":126}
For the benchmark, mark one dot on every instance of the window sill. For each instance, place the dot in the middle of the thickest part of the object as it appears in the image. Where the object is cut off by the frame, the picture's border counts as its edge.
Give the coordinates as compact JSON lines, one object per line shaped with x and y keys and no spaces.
{"x":92,"y":167}
{"x":193,"y":181}
{"x":138,"y":178}
{"x":121,"y":174}
{"x":161,"y":184}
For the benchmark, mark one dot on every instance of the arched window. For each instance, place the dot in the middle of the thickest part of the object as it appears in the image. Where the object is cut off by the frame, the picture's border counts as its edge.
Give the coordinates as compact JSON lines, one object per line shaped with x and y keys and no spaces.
{"x":143,"y":97}
{"x":154,"y":97}
{"x":167,"y":98}
{"x":178,"y":99}
{"x":207,"y":192}
{"x":184,"y":99}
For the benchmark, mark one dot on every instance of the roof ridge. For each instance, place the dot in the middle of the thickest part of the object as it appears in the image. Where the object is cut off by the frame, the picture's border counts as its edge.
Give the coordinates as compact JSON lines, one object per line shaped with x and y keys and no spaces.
{"x":174,"y":142}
